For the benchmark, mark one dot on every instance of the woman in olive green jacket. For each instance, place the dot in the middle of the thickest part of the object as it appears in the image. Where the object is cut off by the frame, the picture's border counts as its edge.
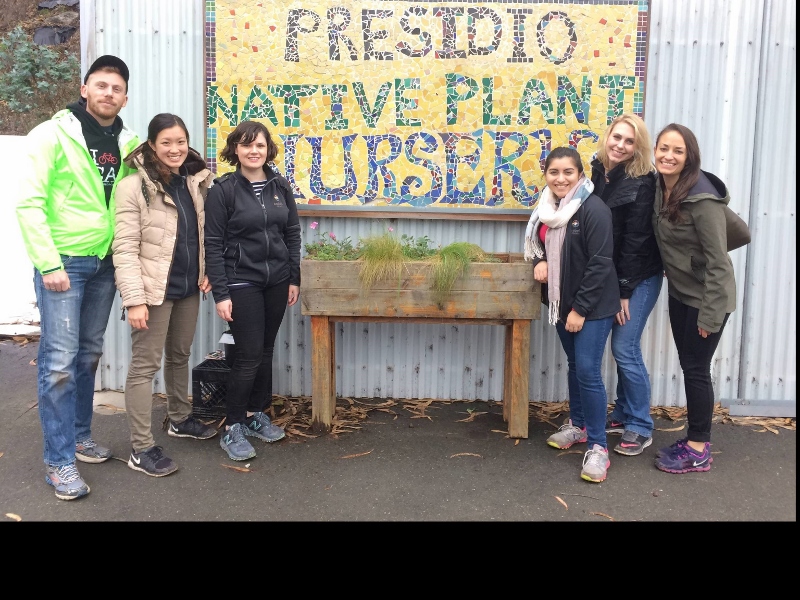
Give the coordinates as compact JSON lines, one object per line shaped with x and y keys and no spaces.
{"x":689,"y":221}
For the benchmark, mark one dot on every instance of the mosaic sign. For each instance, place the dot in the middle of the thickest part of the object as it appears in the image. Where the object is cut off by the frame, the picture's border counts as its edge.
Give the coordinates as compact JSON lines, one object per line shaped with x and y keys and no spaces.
{"x":422,"y":105}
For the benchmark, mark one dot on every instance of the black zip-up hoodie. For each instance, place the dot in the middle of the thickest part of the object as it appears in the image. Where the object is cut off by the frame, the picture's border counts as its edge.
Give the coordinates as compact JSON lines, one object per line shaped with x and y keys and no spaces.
{"x":636,"y":255}
{"x":185,"y":269}
{"x":251,"y":240}
{"x":588,"y":277}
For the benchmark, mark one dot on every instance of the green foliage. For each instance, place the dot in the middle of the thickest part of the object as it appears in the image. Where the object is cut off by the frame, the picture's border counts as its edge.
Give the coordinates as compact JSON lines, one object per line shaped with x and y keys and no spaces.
{"x":328,"y":247}
{"x":416,"y":249}
{"x":33,"y":76}
{"x":383,"y":257}
{"x":450,"y":263}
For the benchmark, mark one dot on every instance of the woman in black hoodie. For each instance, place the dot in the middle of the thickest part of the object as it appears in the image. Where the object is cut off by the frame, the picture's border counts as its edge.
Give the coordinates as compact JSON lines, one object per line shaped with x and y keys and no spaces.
{"x":569,"y":241}
{"x":252,"y":241}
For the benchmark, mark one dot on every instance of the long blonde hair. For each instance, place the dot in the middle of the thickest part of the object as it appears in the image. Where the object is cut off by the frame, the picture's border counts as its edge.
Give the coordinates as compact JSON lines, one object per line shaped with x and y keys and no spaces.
{"x":642,"y":161}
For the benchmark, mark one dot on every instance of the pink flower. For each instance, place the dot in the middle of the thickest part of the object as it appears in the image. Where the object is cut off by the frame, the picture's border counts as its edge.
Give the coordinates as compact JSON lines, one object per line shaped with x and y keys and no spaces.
{"x":314,"y":225}
{"x":333,"y":237}
{"x":391,"y":228}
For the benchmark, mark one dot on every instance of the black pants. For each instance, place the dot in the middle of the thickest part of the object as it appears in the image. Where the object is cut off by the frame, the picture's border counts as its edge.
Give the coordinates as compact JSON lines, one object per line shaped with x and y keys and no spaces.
{"x":257,"y":315}
{"x":695,"y":353}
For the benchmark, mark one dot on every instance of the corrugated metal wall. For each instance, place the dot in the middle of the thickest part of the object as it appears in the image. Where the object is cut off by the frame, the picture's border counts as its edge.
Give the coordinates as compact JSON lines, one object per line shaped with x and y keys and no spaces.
{"x":726,"y":69}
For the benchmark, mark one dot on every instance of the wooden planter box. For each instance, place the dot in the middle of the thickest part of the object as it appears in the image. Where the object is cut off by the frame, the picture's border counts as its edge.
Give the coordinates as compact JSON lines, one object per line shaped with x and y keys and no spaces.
{"x":503,"y":293}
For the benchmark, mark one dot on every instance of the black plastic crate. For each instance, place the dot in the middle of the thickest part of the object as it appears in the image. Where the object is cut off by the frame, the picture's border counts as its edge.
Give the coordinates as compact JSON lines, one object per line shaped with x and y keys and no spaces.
{"x":209,"y":387}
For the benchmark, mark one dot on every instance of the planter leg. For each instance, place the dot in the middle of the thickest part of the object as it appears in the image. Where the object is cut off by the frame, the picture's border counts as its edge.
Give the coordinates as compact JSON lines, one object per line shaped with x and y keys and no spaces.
{"x":323,"y":375}
{"x":516,"y":372}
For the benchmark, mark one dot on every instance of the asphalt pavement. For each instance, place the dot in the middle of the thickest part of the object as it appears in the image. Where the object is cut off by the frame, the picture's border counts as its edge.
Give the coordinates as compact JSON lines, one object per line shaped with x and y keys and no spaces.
{"x":449,"y":461}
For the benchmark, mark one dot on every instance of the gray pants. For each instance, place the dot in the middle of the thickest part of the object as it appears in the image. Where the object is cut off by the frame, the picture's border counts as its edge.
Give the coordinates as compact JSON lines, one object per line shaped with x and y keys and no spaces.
{"x":170,"y":332}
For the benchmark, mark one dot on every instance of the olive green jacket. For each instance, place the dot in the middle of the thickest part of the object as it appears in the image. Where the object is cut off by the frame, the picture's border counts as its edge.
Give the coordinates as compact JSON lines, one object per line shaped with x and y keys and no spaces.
{"x":694,"y":251}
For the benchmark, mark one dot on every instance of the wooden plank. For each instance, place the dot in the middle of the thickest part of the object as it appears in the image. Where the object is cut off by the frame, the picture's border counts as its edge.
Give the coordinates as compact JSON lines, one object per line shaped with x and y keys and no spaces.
{"x":482,"y":277}
{"x":423,"y":320}
{"x":420,"y":303}
{"x":332,"y":368}
{"x":520,"y":361}
{"x":322,"y":380}
{"x":507,"y":358}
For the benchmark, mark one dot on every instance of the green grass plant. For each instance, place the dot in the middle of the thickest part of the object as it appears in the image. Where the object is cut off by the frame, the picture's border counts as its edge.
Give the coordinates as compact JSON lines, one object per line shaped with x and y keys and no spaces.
{"x":450,"y":263}
{"x":381,"y":259}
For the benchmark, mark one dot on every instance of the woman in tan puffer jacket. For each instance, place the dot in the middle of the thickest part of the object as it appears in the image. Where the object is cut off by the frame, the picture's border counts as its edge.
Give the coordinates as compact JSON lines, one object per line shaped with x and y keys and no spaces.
{"x":160,"y":272}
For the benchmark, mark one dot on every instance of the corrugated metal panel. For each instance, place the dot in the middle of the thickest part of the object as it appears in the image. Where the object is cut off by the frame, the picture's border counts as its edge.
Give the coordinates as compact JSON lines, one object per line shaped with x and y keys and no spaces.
{"x":703,"y":72}
{"x":769,"y":356}
{"x":162,"y":44}
{"x":706,"y":69}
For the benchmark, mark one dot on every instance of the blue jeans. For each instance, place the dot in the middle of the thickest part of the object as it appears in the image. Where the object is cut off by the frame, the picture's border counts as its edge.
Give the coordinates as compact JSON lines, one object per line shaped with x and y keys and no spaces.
{"x":588,"y":402}
{"x":632,"y":407}
{"x":72,"y":327}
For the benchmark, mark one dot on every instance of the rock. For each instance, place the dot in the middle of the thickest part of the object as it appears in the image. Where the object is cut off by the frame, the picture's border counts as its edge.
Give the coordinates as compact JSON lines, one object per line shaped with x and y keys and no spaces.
{"x":50,"y":36}
{"x":65,"y":19}
{"x":54,"y":3}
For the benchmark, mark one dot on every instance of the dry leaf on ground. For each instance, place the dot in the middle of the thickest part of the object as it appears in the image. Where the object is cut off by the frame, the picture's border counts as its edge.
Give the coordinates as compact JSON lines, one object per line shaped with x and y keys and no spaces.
{"x":562,"y":502}
{"x":599,"y":514}
{"x":357,"y":455}
{"x":671,"y":428}
{"x":466,"y":454}
{"x":14,"y":517}
{"x":570,"y":452}
{"x":471,"y":417}
{"x":239,"y":469}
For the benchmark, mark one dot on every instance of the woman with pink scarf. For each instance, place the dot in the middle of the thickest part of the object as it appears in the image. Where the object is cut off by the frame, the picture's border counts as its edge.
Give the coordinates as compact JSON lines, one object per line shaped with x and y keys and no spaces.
{"x":570,"y":241}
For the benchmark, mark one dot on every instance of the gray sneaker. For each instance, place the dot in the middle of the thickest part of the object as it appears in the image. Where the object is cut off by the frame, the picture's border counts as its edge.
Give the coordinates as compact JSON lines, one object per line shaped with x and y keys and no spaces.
{"x":595,"y":464}
{"x":89,"y":452}
{"x":235,"y":444}
{"x":567,"y":435}
{"x":68,"y":482}
{"x":632,"y":444}
{"x":261,"y":427}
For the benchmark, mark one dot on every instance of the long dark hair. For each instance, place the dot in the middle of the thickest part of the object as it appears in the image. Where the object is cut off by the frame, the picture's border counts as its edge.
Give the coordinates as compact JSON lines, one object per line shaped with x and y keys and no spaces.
{"x":156,"y":170}
{"x":688,"y":176}
{"x":245,"y":133}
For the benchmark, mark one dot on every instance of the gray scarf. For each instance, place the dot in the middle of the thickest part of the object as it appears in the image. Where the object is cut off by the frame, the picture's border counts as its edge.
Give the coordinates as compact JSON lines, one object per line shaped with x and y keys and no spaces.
{"x":555,"y":214}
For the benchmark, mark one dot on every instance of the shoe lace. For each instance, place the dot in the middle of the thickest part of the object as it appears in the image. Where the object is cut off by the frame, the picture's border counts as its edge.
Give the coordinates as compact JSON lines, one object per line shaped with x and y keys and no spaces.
{"x":594,"y":458}
{"x":236,"y":434}
{"x":156,"y":453}
{"x":568,"y":427}
{"x":88,"y":444}
{"x":68,"y":473}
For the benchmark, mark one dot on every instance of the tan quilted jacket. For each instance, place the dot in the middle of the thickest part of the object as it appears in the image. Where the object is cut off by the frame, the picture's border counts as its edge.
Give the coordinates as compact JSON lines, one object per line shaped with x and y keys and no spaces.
{"x":146,"y":230}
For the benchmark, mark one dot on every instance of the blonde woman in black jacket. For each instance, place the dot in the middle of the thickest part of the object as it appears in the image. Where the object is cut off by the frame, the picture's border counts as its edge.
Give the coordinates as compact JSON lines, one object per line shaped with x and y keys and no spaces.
{"x":624,"y":178}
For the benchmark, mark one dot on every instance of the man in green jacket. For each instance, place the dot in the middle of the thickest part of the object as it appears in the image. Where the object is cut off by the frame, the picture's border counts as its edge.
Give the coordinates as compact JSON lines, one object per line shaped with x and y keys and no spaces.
{"x":66,"y":215}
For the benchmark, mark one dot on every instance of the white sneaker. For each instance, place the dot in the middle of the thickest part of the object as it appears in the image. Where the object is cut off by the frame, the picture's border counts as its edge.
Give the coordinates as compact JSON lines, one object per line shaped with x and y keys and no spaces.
{"x":595,"y":464}
{"x":567,"y":435}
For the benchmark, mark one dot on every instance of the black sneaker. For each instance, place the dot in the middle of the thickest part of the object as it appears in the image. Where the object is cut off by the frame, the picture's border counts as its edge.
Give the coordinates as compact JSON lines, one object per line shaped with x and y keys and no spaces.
{"x":152,"y":462}
{"x":632,"y":444}
{"x":191,"y":428}
{"x":614,"y":426}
